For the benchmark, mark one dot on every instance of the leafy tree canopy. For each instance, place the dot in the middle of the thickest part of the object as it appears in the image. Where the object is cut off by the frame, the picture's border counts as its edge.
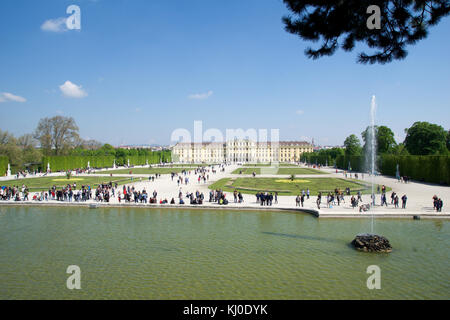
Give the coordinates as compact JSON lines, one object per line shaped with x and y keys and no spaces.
{"x":352,"y":145}
{"x":343,"y":23}
{"x":400,"y":150}
{"x":384,"y":138}
{"x":425,"y":138}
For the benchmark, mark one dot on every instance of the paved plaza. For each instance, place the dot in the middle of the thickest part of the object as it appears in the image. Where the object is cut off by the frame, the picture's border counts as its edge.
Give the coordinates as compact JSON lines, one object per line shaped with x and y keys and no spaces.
{"x":419,"y":194}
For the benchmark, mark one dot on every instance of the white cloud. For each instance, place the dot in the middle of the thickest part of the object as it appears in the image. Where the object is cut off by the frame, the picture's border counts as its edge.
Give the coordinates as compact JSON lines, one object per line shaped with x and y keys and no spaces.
{"x":55,"y":25}
{"x":299,"y":112}
{"x":200,"y":96}
{"x":6,"y":96}
{"x":71,"y":90}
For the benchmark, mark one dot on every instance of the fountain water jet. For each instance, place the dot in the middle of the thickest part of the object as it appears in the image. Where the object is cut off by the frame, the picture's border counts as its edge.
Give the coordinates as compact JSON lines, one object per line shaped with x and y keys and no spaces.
{"x":371,"y":242}
{"x":372,"y":150}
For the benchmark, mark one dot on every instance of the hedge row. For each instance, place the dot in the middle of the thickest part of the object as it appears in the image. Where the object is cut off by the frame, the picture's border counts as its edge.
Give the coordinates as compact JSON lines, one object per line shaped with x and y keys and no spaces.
{"x":3,"y":165}
{"x":321,"y":159}
{"x":152,"y":158}
{"x":63,"y":163}
{"x":434,"y":169}
{"x":357,"y":163}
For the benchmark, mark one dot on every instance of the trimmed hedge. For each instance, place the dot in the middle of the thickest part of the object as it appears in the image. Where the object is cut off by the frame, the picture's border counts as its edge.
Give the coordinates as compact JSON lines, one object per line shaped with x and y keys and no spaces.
{"x":434,"y":169}
{"x":3,"y":165}
{"x":64,"y":163}
{"x":321,"y":159}
{"x":153,"y":158}
{"x":356,"y":162}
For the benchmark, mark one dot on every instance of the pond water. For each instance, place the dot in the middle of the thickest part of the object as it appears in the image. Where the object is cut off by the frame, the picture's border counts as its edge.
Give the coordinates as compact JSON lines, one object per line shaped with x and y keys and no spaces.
{"x":135,"y":253}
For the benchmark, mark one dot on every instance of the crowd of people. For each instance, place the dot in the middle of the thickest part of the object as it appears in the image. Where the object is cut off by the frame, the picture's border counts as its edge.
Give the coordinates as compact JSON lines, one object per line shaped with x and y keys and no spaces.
{"x":105,"y":192}
{"x":266,"y":198}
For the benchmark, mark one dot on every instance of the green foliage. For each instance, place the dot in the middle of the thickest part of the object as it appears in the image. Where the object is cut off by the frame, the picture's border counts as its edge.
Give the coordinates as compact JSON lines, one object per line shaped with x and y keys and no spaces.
{"x":323,"y":157}
{"x":448,"y":140}
{"x":435,"y":169}
{"x":343,"y":24}
{"x":384,"y":139}
{"x":139,"y":157}
{"x":356,"y":162}
{"x":425,"y":138}
{"x":63,"y":163}
{"x":400,"y":150}
{"x":352,"y":145}
{"x":21,"y":152}
{"x":3,"y":165}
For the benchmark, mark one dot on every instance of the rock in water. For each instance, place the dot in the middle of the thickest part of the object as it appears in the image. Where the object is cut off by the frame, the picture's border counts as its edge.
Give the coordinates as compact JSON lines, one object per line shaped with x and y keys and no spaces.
{"x":371,"y":243}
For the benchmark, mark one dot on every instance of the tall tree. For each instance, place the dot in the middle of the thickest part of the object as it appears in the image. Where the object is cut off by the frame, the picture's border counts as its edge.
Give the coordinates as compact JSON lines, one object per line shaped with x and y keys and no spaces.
{"x":57,"y":134}
{"x":342,"y":23}
{"x":352,"y":145}
{"x":19,"y":151}
{"x":400,"y":150}
{"x":10,"y":148}
{"x":384,"y":138}
{"x":448,"y":140}
{"x":425,"y":138}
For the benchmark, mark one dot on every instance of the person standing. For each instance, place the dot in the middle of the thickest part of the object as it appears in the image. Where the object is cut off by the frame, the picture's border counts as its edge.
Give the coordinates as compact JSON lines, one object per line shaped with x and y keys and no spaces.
{"x":440,"y":205}
{"x":404,"y":199}
{"x":396,"y":201}
{"x":319,"y":199}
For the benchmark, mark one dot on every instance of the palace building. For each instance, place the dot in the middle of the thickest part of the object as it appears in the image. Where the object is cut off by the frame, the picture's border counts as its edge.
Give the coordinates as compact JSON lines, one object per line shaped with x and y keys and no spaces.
{"x":242,"y":150}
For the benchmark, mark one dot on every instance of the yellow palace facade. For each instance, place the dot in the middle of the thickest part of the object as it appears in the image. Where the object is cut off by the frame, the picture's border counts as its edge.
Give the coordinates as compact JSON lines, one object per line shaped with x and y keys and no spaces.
{"x":240,"y":151}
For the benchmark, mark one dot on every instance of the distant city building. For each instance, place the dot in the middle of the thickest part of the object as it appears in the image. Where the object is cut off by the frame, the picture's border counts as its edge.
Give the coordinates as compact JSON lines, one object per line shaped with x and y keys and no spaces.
{"x":152,"y":148}
{"x":329,"y":147}
{"x":243,"y":150}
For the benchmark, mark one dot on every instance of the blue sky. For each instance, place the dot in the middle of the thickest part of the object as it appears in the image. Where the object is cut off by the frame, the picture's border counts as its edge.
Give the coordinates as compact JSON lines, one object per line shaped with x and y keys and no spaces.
{"x":138,"y":69}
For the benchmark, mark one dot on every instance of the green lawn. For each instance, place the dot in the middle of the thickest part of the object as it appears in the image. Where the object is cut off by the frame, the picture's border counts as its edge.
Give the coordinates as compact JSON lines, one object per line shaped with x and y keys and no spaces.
{"x":290,"y":188}
{"x":247,"y":171}
{"x":193,"y":164}
{"x":299,"y":171}
{"x":147,"y":170}
{"x":44,"y":183}
{"x":285,"y":171}
{"x":268,"y":165}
